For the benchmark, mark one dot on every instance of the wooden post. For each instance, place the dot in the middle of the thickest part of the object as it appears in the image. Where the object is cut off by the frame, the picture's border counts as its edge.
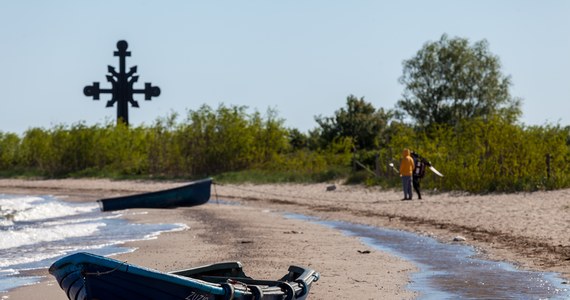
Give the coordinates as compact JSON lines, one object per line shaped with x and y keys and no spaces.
{"x":548,"y":157}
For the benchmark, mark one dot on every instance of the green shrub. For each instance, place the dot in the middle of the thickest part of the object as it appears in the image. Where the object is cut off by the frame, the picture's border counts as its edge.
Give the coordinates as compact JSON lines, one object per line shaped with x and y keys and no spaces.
{"x":477,"y":155}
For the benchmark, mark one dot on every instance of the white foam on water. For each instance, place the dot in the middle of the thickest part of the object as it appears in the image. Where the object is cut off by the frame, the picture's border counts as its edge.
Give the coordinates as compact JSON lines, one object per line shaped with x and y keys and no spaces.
{"x":34,"y":235}
{"x":155,"y":234}
{"x":5,"y":221}
{"x":36,"y":231}
{"x":8,"y":272}
{"x":37,"y":208}
{"x":52,"y":253}
{"x":24,"y":226}
{"x":78,"y":220}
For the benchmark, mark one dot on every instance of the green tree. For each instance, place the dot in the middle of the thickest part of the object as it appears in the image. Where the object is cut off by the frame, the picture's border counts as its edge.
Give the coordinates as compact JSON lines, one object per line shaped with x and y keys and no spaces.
{"x":450,"y":80}
{"x":9,"y":143}
{"x":229,"y":139}
{"x":297,"y":139}
{"x":359,"y":121}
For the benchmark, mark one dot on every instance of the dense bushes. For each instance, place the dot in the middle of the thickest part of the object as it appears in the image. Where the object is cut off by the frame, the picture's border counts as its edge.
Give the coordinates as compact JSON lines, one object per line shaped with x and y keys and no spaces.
{"x":478,"y":155}
{"x":9,"y":145}
{"x":205,"y":143}
{"x":493,"y":155}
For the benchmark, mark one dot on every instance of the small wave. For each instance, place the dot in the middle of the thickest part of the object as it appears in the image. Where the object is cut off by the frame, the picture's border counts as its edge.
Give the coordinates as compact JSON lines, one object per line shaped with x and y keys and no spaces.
{"x":22,"y":209}
{"x":35,"y":231}
{"x":34,"y":235}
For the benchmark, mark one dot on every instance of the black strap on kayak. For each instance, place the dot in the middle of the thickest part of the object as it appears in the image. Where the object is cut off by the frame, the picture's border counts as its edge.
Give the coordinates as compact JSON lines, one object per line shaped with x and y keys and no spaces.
{"x":256,"y":292}
{"x":304,"y":287}
{"x":228,"y":291}
{"x":289,"y":291}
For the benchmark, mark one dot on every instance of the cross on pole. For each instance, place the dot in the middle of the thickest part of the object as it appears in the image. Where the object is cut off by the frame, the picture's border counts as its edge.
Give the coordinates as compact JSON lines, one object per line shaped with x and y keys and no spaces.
{"x":122,"y":90}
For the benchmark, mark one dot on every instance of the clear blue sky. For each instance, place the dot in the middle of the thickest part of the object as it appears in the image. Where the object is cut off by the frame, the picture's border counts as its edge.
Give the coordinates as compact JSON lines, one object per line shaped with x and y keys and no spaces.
{"x":302,"y":58}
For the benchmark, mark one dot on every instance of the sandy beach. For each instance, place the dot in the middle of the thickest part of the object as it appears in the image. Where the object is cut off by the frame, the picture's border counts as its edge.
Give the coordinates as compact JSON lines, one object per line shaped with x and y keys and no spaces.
{"x":529,"y":230}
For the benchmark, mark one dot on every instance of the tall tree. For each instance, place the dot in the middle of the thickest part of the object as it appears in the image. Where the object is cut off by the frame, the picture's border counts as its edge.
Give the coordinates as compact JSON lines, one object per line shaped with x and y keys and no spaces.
{"x":450,"y":80}
{"x":359,"y":121}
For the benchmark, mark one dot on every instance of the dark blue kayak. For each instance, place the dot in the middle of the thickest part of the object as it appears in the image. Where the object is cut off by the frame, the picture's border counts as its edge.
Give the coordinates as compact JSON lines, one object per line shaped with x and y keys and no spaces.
{"x":85,"y":276}
{"x":192,"y":194}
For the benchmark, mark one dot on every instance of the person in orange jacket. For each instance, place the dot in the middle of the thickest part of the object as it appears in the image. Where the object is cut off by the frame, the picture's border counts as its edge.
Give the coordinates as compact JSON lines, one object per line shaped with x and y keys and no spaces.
{"x":406,"y":172}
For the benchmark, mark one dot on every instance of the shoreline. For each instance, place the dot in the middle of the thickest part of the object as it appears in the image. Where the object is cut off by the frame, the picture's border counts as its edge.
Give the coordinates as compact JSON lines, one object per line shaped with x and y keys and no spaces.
{"x":526,"y":229}
{"x":261,"y":238}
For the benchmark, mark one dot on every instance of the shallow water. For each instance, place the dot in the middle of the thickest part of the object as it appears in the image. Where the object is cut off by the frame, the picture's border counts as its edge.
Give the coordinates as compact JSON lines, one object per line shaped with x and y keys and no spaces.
{"x":451,"y":270}
{"x":37,"y":230}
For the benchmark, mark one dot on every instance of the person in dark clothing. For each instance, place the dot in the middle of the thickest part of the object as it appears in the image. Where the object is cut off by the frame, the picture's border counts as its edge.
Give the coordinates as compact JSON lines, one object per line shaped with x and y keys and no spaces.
{"x":420,"y":165}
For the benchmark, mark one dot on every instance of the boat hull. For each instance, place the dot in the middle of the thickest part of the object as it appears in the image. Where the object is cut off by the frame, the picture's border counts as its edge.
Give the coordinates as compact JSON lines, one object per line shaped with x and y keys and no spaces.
{"x":84,"y":276}
{"x":192,"y":194}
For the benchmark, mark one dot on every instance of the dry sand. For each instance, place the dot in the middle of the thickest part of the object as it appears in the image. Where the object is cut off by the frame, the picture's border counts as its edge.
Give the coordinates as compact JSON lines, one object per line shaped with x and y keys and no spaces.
{"x":527,"y":229}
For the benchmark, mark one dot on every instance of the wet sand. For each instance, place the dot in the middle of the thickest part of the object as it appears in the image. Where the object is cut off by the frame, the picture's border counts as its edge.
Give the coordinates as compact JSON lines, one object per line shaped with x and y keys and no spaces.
{"x":527,"y":229}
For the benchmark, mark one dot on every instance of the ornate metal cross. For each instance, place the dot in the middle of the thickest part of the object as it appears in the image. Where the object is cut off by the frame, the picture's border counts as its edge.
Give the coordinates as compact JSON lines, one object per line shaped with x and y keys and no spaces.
{"x":122,"y":86}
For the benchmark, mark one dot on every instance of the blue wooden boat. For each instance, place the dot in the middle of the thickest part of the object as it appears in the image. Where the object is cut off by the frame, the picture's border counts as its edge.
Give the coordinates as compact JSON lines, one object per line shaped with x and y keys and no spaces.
{"x":194,"y":193}
{"x":84,"y":276}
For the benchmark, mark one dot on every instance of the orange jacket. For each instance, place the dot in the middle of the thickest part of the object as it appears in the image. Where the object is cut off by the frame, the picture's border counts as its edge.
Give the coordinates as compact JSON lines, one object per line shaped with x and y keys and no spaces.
{"x":407,"y":164}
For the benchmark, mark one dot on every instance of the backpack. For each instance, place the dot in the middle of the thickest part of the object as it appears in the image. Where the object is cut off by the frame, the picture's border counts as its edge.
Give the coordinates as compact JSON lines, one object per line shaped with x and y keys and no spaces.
{"x":420,"y":165}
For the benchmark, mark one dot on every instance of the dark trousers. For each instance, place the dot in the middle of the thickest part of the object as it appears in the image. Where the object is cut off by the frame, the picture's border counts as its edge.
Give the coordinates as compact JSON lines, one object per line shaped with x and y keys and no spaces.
{"x":416,"y":183}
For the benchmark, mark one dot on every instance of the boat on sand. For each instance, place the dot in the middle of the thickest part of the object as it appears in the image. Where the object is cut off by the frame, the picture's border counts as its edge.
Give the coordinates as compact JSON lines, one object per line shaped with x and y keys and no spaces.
{"x":192,"y":194}
{"x":84,"y":276}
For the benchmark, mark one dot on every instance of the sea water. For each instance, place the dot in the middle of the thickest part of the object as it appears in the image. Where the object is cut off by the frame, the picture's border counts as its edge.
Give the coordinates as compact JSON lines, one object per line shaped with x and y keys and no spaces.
{"x":453,"y":270}
{"x":35,"y":231}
